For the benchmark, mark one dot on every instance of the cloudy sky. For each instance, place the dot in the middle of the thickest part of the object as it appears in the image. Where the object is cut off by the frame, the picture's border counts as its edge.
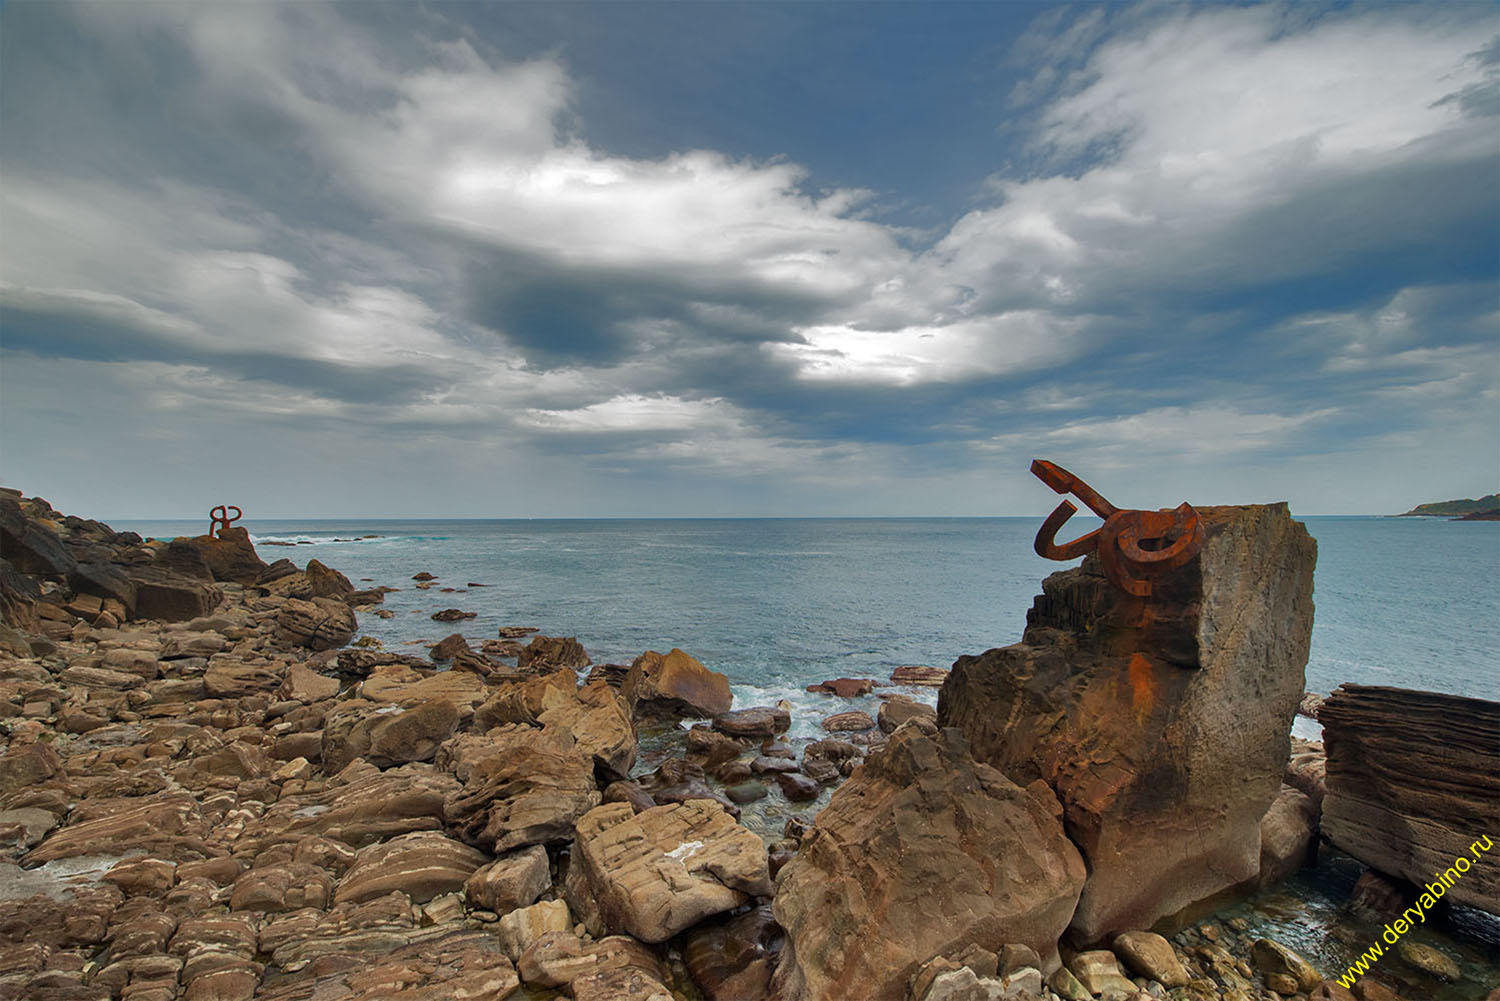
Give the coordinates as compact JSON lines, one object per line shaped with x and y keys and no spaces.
{"x":489,"y":260}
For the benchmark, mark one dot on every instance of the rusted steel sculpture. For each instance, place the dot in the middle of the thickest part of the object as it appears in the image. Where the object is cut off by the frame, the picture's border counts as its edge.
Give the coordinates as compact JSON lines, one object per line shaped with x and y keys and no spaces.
{"x":222,"y":519}
{"x":1134,"y":547}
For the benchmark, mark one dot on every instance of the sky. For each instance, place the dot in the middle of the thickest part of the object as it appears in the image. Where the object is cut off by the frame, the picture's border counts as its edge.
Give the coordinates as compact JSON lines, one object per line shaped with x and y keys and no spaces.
{"x":724,"y":259}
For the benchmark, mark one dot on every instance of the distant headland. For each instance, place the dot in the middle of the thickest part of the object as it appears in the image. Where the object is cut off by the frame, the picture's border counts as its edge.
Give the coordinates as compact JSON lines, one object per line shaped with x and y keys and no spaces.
{"x":1486,"y":508}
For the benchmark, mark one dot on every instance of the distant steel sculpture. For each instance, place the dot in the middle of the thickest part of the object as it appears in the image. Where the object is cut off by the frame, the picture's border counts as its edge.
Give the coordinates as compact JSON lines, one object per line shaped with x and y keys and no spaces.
{"x":222,"y":520}
{"x":1134,"y":547}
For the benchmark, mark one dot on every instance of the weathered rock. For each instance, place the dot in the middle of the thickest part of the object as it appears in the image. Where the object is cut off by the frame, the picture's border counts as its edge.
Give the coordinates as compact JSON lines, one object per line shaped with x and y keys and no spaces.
{"x":658,"y":872}
{"x":1272,"y":957}
{"x":402,"y":685}
{"x":553,"y":652}
{"x":844,"y":688}
{"x":230,"y":556}
{"x":169,"y":826}
{"x":445,"y":648}
{"x":1099,"y":973}
{"x":852,"y":721}
{"x":1307,"y":769}
{"x":230,"y":679}
{"x":921,"y":853}
{"x":561,"y":959}
{"x":1430,"y":961}
{"x":600,"y":723}
{"x":797,"y":788}
{"x":1151,"y":956}
{"x":318,"y":623}
{"x":31,"y":546}
{"x":518,"y":930}
{"x":629,"y":792}
{"x":284,"y":887}
{"x":756,"y":722}
{"x":733,"y":959}
{"x":326,"y":582}
{"x":897,"y":710}
{"x":914,"y":674}
{"x":181,"y":557}
{"x":1413,"y":779}
{"x":1288,"y":835}
{"x":521,"y":787}
{"x":169,"y":597}
{"x":452,"y":615}
{"x":675,"y":684}
{"x":387,"y":735}
{"x":30,"y":764}
{"x":624,"y":983}
{"x":516,"y":880}
{"x":360,"y":806}
{"x":1161,"y":723}
{"x":305,"y":685}
{"x":421,"y":865}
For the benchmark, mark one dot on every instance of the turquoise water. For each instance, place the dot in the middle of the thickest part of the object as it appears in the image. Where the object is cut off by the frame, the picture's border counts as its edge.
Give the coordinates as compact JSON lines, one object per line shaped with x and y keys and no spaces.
{"x":779,"y":603}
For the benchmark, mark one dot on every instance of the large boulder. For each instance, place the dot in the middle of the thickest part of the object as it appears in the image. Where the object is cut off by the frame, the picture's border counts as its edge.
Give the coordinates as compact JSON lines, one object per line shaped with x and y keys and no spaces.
{"x":1413,"y":779}
{"x":420,"y":865}
{"x":520,"y":786}
{"x":923,"y":852}
{"x":31,"y":545}
{"x":1161,"y":723}
{"x":675,"y":684}
{"x":660,"y":871}
{"x":318,"y":624}
{"x":553,"y":652}
{"x":230,"y":555}
{"x":601,"y":726}
{"x":169,"y":597}
{"x":386,"y":735}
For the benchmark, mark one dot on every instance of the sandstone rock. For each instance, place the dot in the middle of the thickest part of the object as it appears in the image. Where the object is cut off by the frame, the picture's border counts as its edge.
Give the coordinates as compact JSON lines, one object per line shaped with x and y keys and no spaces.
{"x":626,"y":983}
{"x":360,"y":806}
{"x":181,"y":557}
{"x":515,"y":880}
{"x":170,"y":826}
{"x":435,"y":964}
{"x":1161,"y":723}
{"x":305,"y":685}
{"x":600,"y":723}
{"x":1273,"y":957}
{"x":285,"y":887}
{"x":445,"y":648}
{"x":675,"y":684}
{"x":318,"y":623}
{"x":561,"y":959}
{"x":844,"y":688}
{"x":387,"y":735}
{"x":756,"y":722}
{"x":452,"y":615}
{"x":169,"y":597}
{"x":521,"y":787}
{"x":658,"y":872}
{"x":228,"y":679}
{"x":854,"y":720}
{"x":553,"y":652}
{"x":1306,"y":770}
{"x":963,"y":984}
{"x":797,"y":788}
{"x":27,"y":765}
{"x":963,"y":856}
{"x":230,"y":556}
{"x":420,"y":865}
{"x":1413,"y":779}
{"x":1288,"y":835}
{"x":1099,"y":973}
{"x":525,"y":701}
{"x":1427,"y":959}
{"x":518,"y":930}
{"x":733,"y":959}
{"x":325,"y":582}
{"x":516,"y":632}
{"x":1151,"y":956}
{"x":897,"y":710}
{"x":912,"y":674}
{"x":31,"y":546}
{"x":142,"y":876}
{"x":1376,"y":896}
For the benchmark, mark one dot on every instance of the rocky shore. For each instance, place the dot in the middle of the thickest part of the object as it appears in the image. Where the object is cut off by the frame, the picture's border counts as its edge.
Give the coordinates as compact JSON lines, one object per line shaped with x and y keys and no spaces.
{"x":209,"y":790}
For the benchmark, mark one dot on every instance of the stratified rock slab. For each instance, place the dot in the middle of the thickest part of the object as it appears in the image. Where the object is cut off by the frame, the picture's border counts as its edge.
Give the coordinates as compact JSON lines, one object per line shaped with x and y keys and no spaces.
{"x":1413,"y":780}
{"x":665,"y":869}
{"x":1161,"y":723}
{"x":921,"y":853}
{"x":675,"y":684}
{"x":521,"y":786}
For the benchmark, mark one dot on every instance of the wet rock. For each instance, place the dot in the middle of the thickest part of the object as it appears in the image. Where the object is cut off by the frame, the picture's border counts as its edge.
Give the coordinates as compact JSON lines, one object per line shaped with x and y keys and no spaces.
{"x":897,"y":710}
{"x":1306,"y":770}
{"x":1099,"y":973}
{"x":317,"y":623}
{"x":515,"y":880}
{"x":421,"y":865}
{"x":820,"y":771}
{"x":1288,"y":835}
{"x":1138,"y":712}
{"x":946,"y":834}
{"x":797,"y":788}
{"x":733,"y":959}
{"x":520,"y":787}
{"x":1151,"y":956}
{"x":553,"y":652}
{"x":853,"y":720}
{"x":764,"y":765}
{"x":658,"y":872}
{"x":746,"y":792}
{"x":1271,"y":957}
{"x":757,"y":722}
{"x":845,"y":688}
{"x":1377,"y":897}
{"x":675,"y":684}
{"x":1413,"y":778}
{"x":516,"y":632}
{"x":445,"y":648}
{"x":1427,"y":959}
{"x":453,"y":615}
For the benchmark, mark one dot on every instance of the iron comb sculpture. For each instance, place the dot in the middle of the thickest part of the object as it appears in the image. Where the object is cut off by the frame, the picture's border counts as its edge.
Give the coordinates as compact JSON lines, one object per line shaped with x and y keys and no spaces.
{"x":1134,"y":547}
{"x":222,"y":519}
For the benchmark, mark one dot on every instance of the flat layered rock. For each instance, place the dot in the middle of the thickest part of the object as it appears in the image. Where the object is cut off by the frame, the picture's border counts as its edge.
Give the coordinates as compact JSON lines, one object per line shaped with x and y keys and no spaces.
{"x":756,"y":722}
{"x":553,"y":652}
{"x":601,"y":726}
{"x":316,"y":623}
{"x":916,"y":674}
{"x":660,"y":871}
{"x":387,"y":735}
{"x":1413,"y":779}
{"x":421,"y":865}
{"x":169,"y":826}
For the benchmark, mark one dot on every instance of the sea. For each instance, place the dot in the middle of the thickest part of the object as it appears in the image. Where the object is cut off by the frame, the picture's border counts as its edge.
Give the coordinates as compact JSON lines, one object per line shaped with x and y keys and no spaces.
{"x":778,"y":604}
